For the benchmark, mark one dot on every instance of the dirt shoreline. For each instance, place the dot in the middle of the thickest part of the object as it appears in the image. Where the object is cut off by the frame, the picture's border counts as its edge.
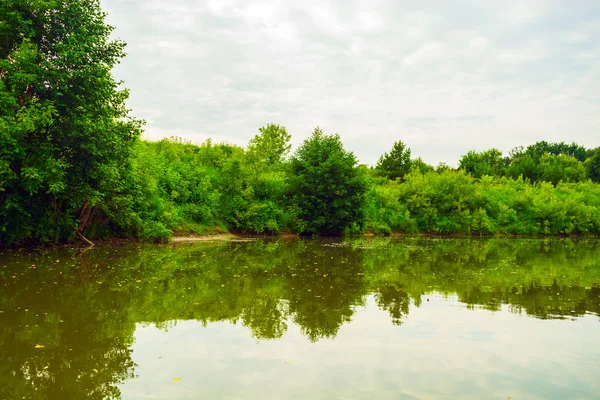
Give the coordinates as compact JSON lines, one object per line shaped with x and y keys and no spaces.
{"x":228,"y":237}
{"x":203,"y":238}
{"x":249,"y":237}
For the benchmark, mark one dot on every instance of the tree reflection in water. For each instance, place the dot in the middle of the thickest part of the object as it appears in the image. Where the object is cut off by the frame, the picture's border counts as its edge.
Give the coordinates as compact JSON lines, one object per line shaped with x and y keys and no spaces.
{"x":83,"y":307}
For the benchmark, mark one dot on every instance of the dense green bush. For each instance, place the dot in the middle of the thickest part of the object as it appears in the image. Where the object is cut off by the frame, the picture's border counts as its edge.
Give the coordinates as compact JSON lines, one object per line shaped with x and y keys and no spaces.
{"x":385,"y":214}
{"x":326,"y":188}
{"x":453,"y":202}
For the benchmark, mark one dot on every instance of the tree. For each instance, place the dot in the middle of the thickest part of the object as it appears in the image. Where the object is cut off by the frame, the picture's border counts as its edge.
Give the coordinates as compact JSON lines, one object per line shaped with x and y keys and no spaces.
{"x":561,"y":168}
{"x":522,"y":164}
{"x":441,"y":167}
{"x":265,"y":158}
{"x":272,"y":144}
{"x":326,"y":188}
{"x":419,"y":165}
{"x":538,"y":149}
{"x":489,"y":162}
{"x":396,"y":163}
{"x":65,"y":132}
{"x":593,"y":166}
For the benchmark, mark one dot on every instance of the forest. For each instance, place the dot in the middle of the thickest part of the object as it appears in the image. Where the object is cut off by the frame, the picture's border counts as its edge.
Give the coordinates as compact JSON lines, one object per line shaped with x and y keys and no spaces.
{"x":73,"y":166}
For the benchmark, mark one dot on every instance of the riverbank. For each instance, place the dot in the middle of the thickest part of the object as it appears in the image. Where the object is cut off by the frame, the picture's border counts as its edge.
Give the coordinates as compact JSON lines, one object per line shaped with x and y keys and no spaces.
{"x":245,"y":237}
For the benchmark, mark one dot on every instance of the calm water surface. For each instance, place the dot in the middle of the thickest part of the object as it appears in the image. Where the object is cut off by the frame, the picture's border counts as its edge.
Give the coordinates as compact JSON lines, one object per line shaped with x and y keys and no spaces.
{"x":303,"y":319}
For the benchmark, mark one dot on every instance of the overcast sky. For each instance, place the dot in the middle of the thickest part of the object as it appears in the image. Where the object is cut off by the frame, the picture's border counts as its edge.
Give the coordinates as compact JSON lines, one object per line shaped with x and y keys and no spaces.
{"x":443,"y":76}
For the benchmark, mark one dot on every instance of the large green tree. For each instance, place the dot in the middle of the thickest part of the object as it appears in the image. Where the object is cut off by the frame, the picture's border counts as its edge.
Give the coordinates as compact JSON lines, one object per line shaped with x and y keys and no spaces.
{"x":65,"y":133}
{"x":327,"y":189}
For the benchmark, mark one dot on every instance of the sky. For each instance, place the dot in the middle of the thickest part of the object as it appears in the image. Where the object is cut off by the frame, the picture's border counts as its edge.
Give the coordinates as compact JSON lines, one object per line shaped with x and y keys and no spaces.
{"x":445,"y":77}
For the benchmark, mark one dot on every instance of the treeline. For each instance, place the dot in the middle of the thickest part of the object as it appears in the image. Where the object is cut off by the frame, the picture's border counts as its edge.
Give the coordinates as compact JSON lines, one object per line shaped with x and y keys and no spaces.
{"x":320,"y":189}
{"x":181,"y":187}
{"x":540,"y":162}
{"x":72,"y":165}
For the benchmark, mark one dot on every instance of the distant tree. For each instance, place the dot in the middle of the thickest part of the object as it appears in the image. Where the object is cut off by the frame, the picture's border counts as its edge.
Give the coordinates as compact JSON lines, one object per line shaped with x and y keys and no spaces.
{"x":522,"y":164}
{"x":395,"y":164}
{"x":550,"y":162}
{"x":489,"y":162}
{"x":419,"y":165}
{"x":537,"y":150}
{"x":593,"y":166}
{"x":271,"y":145}
{"x":326,"y":188}
{"x":441,"y":167}
{"x":561,"y":168}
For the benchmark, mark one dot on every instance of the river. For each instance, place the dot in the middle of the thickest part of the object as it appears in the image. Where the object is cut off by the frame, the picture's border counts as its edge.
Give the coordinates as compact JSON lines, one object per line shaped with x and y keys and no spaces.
{"x":364,"y":318}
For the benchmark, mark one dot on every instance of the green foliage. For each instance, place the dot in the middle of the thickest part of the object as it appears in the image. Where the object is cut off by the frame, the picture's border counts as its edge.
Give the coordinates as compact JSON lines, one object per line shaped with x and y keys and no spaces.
{"x":457,"y":203}
{"x":271,"y":146}
{"x":523,"y":165}
{"x":442,"y":167}
{"x":385,"y":214}
{"x":419,"y":165}
{"x":65,"y":134}
{"x":395,"y":164}
{"x":538,"y":149}
{"x":561,"y":168}
{"x":549,"y":162}
{"x":327,"y":190}
{"x":489,"y":162}
{"x":446,"y":203}
{"x":173,"y":190}
{"x":592,"y":166}
{"x":183,"y":188}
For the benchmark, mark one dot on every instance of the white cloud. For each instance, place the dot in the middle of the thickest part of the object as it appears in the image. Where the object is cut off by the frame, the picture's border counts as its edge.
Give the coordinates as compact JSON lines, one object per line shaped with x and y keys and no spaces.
{"x":523,"y":12}
{"x":529,"y":52}
{"x":429,"y":52}
{"x":576,"y":37}
{"x":478,"y":43}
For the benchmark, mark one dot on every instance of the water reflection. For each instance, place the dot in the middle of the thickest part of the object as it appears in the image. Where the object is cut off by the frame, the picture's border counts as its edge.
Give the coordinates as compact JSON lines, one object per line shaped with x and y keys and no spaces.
{"x":83,"y":307}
